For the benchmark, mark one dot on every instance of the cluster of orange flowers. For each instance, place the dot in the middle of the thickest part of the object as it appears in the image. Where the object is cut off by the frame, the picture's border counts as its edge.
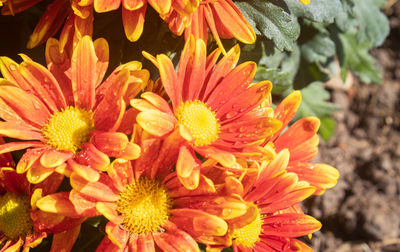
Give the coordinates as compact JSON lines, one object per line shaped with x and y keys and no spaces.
{"x":198,"y":156}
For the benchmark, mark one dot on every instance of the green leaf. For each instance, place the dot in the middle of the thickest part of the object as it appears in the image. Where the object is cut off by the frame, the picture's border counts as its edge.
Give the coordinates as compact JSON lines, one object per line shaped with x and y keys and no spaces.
{"x":318,"y":49}
{"x":314,"y":102}
{"x":327,"y":128}
{"x":355,"y":56}
{"x":317,"y":10}
{"x":366,"y":19}
{"x":271,"y":21}
{"x":278,"y":67}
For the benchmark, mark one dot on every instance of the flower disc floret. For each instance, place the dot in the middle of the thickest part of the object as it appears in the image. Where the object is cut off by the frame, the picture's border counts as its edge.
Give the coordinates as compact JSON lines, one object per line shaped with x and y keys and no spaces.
{"x":15,"y":220}
{"x":200,"y":120}
{"x":68,"y":129}
{"x":248,"y":235}
{"x":145,"y":206}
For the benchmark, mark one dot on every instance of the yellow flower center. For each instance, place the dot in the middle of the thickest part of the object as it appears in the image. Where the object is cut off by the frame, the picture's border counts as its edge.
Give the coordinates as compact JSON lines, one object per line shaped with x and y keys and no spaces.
{"x":248,"y":235}
{"x":145,"y":206}
{"x":200,"y":120}
{"x":15,"y":220}
{"x":68,"y":129}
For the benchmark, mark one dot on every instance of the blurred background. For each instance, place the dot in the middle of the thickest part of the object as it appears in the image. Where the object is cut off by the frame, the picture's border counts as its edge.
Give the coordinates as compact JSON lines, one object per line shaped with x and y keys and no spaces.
{"x":362,"y":213}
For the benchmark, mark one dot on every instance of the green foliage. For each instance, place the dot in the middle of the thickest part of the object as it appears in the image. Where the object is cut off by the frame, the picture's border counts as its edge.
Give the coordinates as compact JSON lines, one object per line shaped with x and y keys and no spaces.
{"x":314,"y":103}
{"x":271,"y":21}
{"x":344,"y":30}
{"x":355,"y":56}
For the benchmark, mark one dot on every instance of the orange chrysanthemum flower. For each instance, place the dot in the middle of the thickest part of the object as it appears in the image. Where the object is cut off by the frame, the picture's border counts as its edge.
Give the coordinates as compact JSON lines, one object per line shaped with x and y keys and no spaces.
{"x":277,"y":220}
{"x":211,"y":109}
{"x":64,"y":112}
{"x":149,"y":209}
{"x":302,"y":141}
{"x":222,"y":18}
{"x":21,"y":223}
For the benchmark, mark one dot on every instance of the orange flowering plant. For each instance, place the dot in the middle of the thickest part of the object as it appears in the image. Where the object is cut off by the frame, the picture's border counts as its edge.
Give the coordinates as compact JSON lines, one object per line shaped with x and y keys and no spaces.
{"x":196,"y":158}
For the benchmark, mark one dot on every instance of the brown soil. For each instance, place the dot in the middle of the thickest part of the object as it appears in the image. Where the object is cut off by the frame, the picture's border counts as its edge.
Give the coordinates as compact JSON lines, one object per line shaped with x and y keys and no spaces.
{"x":362,"y":213}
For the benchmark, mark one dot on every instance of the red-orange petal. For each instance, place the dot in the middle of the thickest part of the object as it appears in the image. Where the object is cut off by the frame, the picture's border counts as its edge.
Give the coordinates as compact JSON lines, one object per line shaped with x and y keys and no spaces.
{"x":102,"y":190}
{"x":161,"y":6}
{"x":83,"y":73}
{"x":228,"y":16}
{"x":50,"y":22}
{"x":52,"y":158}
{"x":58,"y":203}
{"x":117,"y":235}
{"x":290,"y":225}
{"x":31,"y":110}
{"x":175,"y":240}
{"x":286,"y":110}
{"x":155,"y":122}
{"x":322,"y":176}
{"x":65,"y":241}
{"x":106,"y":5}
{"x":133,"y":21}
{"x":169,"y":79}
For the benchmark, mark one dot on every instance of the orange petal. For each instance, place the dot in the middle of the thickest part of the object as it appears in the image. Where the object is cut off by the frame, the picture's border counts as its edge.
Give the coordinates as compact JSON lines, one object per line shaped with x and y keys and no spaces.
{"x":157,"y":101}
{"x":228,"y":15}
{"x":93,"y":157}
{"x":53,"y":158}
{"x":108,"y":111}
{"x":110,"y":141}
{"x":103,"y":54}
{"x":13,"y":182}
{"x":186,"y":162}
{"x":83,"y":73}
{"x":296,"y":134}
{"x":197,"y":222}
{"x":106,"y":5}
{"x":322,"y":176}
{"x":57,"y":203}
{"x":107,"y":245}
{"x":286,"y":110}
{"x":155,"y":122}
{"x":169,"y":79}
{"x":191,"y":72}
{"x":237,"y":106}
{"x":28,"y":159}
{"x":131,"y":152}
{"x":102,"y":190}
{"x":161,"y":6}
{"x":37,"y":173}
{"x":50,"y":22}
{"x":117,"y":235}
{"x":133,"y":21}
{"x":31,"y":110}
{"x":175,"y":240}
{"x":84,"y":206}
{"x":65,"y":241}
{"x":133,"y":4}
{"x":223,"y":67}
{"x":43,"y":84}
{"x":109,"y":210}
{"x":84,"y":171}
{"x":121,"y":173}
{"x":290,"y":225}
{"x":16,"y":130}
{"x":10,"y":71}
{"x":233,"y":83}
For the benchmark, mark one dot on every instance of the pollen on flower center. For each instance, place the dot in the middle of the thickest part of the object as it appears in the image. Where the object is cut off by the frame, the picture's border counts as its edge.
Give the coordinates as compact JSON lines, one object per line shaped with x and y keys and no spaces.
{"x":248,"y":235}
{"x":15,"y":220}
{"x":200,"y":120}
{"x":68,"y":129}
{"x":145,"y":206}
